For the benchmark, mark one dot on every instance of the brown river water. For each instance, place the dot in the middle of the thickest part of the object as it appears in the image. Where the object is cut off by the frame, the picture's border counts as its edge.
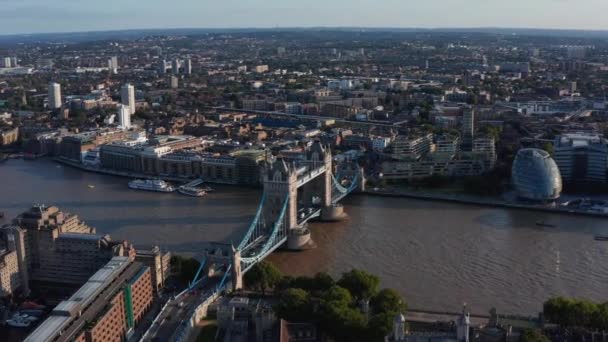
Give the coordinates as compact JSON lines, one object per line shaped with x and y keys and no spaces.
{"x":438,"y":255}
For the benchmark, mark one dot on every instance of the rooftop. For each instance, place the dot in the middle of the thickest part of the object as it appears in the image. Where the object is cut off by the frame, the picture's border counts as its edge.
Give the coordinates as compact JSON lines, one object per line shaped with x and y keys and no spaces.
{"x":67,"y":310}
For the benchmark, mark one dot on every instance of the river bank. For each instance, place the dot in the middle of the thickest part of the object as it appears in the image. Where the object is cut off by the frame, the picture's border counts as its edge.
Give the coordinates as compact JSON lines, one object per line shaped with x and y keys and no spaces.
{"x":480,"y":201}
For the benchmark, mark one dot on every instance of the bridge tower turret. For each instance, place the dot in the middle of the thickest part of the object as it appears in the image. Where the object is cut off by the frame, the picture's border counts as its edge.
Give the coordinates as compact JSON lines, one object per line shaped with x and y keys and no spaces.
{"x":237,"y":273}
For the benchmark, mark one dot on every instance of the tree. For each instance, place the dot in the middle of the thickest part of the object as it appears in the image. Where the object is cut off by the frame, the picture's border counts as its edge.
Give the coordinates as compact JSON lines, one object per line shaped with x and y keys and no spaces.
{"x":380,"y":325}
{"x":263,"y":276}
{"x":360,"y":284}
{"x":294,"y":305}
{"x":575,"y":313}
{"x":388,"y":301}
{"x":534,"y":335}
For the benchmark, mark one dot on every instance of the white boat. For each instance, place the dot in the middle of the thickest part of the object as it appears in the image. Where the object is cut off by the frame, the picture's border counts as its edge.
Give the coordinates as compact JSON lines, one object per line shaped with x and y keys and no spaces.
{"x":191,"y":191}
{"x":19,"y":321}
{"x":151,"y":185}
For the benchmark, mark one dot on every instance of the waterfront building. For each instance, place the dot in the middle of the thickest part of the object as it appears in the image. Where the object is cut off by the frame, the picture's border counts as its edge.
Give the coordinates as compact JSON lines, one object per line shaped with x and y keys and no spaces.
{"x":106,"y":308}
{"x":169,"y":158}
{"x":127,"y":96}
{"x":411,"y":148}
{"x":582,"y":157}
{"x":54,"y":95}
{"x":446,"y":147}
{"x":535,"y":175}
{"x":72,"y":147}
{"x":157,"y":261}
{"x":124,"y":116}
{"x":57,"y":249}
{"x":441,"y":161}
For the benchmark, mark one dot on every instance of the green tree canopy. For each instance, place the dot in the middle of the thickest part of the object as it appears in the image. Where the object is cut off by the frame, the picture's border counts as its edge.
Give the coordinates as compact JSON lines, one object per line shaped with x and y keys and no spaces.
{"x":388,"y":301}
{"x":534,"y":335}
{"x":295,"y":305}
{"x":576,"y":313}
{"x":263,"y":276}
{"x":360,"y":284}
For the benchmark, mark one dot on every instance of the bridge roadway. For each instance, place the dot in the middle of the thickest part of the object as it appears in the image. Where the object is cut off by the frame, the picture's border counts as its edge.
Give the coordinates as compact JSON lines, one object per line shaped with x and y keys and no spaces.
{"x":179,"y":309}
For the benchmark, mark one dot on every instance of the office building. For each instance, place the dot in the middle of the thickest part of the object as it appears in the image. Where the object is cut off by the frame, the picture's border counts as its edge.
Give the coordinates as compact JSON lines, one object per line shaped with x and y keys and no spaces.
{"x":106,"y":308}
{"x":113,"y":64}
{"x":54,"y":93}
{"x":582,"y":157}
{"x":124,"y":116}
{"x":57,"y":250}
{"x":535,"y":175}
{"x":127,"y":96}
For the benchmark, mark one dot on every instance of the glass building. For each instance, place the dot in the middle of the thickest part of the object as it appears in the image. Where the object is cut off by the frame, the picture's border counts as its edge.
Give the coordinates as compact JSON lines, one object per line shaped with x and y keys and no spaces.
{"x":535,"y":175}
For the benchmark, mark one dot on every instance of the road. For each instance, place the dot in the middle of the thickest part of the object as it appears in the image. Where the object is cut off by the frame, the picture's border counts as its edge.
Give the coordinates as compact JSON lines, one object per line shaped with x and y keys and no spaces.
{"x":179,"y":310}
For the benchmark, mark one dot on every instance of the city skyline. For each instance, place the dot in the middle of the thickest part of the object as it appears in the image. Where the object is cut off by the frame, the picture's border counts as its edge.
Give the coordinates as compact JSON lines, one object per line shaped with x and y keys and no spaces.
{"x":37,"y":16}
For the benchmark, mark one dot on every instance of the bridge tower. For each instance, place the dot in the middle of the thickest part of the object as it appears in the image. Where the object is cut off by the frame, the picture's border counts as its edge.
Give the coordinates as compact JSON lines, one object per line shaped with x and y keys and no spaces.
{"x":280,"y":181}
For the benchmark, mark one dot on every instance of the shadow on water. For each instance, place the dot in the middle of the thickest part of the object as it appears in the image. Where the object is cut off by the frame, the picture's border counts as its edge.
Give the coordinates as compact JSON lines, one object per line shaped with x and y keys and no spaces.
{"x":201,"y":221}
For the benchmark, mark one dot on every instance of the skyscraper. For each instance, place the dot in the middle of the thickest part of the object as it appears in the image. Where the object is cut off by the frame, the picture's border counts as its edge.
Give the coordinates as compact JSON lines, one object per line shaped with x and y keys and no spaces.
{"x":163,"y":67}
{"x":54,"y":95}
{"x":127,"y":97}
{"x":468,"y":129}
{"x":124,"y":115}
{"x":113,"y":64}
{"x":175,"y":66}
{"x":6,"y":62}
{"x":188,"y":67}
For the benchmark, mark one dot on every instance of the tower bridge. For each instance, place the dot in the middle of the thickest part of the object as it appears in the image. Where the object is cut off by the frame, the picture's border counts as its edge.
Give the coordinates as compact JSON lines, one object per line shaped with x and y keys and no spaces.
{"x":296,"y":190}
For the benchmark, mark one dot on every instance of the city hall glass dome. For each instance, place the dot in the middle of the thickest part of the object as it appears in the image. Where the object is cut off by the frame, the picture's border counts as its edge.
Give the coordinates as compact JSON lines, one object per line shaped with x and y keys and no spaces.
{"x":535,"y":175}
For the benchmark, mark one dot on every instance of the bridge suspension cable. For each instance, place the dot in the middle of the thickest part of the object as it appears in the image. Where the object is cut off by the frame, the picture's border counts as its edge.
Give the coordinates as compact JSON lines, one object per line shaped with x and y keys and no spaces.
{"x":256,"y":226}
{"x":279,"y":231}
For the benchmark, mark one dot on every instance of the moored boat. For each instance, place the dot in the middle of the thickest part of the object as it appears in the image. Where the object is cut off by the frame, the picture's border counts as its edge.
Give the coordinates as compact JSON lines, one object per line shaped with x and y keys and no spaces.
{"x":601,"y":238}
{"x":191,"y":191}
{"x":151,"y":185}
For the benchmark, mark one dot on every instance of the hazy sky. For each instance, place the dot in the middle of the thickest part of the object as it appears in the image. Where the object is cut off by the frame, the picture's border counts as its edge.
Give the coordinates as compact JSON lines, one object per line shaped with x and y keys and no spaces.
{"x":26,"y":16}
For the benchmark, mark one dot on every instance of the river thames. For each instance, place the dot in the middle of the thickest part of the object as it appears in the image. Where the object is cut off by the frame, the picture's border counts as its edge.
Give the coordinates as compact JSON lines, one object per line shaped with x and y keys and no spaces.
{"x":438,"y":255}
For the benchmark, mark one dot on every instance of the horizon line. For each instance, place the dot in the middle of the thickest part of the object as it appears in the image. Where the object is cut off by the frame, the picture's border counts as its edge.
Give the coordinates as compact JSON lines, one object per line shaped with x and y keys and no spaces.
{"x":278,"y":28}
